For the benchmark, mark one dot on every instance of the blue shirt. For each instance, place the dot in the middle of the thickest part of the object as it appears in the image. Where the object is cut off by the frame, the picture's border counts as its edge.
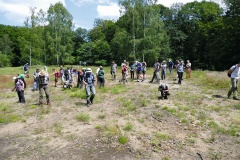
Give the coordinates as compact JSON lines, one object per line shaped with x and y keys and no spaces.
{"x":180,"y":67}
{"x":89,"y":79}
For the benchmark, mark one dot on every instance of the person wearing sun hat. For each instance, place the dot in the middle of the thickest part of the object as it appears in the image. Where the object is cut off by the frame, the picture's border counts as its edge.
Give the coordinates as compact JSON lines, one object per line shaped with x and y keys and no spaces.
{"x":89,"y":80}
{"x":43,"y":81}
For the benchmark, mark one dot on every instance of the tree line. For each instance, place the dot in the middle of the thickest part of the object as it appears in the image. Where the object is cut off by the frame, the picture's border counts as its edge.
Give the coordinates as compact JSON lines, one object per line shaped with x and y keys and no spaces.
{"x":202,"y":32}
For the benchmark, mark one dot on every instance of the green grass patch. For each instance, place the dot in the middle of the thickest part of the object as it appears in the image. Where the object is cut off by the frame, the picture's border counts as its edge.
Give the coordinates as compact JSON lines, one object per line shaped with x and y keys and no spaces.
{"x":9,"y":118}
{"x":57,"y":128}
{"x":119,"y":88}
{"x":122,"y":139}
{"x":111,"y":130}
{"x":78,"y":94}
{"x":128,"y":126}
{"x":83,"y":117}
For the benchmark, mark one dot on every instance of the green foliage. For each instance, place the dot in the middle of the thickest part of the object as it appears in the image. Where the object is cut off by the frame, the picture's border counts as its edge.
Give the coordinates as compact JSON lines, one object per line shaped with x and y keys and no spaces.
{"x":123,"y":139}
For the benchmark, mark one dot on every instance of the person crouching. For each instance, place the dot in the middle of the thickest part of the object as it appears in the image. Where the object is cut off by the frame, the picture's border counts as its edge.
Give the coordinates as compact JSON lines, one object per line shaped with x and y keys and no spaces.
{"x":164,"y":89}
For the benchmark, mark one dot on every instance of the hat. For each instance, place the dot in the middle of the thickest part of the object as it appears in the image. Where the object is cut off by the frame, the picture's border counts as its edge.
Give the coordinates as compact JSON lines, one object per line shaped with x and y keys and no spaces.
{"x":89,"y":70}
{"x":21,"y":76}
{"x":14,"y":78}
{"x":100,"y":67}
{"x":164,"y":61}
{"x":42,"y":73}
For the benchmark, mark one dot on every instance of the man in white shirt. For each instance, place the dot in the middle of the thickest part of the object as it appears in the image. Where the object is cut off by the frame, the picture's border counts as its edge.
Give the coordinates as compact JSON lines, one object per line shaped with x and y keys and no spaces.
{"x":235,"y":75}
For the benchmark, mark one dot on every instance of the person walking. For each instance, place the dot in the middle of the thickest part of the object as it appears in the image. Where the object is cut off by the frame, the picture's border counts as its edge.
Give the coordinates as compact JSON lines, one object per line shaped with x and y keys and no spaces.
{"x":164,"y":70}
{"x":235,"y":75}
{"x":80,"y":78}
{"x":43,"y":81}
{"x":19,"y":87}
{"x":180,"y":68}
{"x":89,"y":80}
{"x":188,"y":69}
{"x":101,"y":77}
{"x":113,"y":70}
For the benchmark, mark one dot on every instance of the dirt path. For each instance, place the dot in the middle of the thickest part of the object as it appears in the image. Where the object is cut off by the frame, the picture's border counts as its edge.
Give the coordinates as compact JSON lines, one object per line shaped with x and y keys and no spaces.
{"x":177,"y":128}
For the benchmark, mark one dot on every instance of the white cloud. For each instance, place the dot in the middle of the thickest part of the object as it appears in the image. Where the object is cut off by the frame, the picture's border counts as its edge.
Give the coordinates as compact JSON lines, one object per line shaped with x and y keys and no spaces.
{"x":16,"y":10}
{"x":108,"y":11}
{"x":87,"y":2}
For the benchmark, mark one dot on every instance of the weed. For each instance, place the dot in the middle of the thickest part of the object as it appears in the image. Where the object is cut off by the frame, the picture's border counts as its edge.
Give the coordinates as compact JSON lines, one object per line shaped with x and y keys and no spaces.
{"x":78,"y":94}
{"x":128,"y":126}
{"x":162,"y":136}
{"x":83,"y":117}
{"x":123,"y":139}
{"x":101,"y":116}
{"x":57,"y":127}
{"x":236,"y":106}
{"x":98,"y":127}
{"x":111,"y":130}
{"x":38,"y":130}
{"x":116,"y":89}
{"x":71,"y":137}
{"x":32,"y":106}
{"x":166,"y":158}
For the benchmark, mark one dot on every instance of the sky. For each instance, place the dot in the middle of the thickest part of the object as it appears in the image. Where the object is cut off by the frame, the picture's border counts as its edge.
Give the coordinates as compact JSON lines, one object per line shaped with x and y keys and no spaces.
{"x":14,"y":12}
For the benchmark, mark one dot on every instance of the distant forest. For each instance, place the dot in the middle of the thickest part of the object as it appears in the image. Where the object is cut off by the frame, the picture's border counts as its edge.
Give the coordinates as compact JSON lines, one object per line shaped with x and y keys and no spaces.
{"x":202,"y":32}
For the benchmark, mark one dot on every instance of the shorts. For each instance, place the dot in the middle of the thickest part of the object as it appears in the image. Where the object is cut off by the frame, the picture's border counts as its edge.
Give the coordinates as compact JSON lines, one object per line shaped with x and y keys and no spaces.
{"x":138,"y":71}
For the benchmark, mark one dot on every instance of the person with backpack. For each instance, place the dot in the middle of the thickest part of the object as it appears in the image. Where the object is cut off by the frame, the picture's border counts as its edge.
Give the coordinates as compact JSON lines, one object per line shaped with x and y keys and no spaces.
{"x":234,"y":72}
{"x":66,"y":73}
{"x":19,"y":87}
{"x":139,"y":70}
{"x":101,"y":77}
{"x":170,"y":66}
{"x":89,"y":80}
{"x":43,"y":81}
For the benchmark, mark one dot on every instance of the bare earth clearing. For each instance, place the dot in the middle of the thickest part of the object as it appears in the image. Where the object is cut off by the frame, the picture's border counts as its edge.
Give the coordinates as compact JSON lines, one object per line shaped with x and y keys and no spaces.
{"x":125,"y":123}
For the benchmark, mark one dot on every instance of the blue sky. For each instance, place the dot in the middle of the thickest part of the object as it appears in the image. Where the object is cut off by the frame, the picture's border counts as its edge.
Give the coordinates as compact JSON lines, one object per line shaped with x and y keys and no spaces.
{"x":14,"y":12}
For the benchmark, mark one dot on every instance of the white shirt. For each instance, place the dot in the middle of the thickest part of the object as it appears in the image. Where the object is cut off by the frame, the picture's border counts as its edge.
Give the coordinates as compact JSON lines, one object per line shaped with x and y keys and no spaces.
{"x":236,"y":72}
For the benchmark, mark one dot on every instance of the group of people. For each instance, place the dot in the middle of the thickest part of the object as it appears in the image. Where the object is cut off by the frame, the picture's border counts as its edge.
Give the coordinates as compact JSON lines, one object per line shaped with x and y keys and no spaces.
{"x":86,"y":77}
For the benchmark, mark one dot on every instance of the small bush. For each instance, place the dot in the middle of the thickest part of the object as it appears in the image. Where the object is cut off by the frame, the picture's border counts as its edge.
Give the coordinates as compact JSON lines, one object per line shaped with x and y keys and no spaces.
{"x":122,"y":139}
{"x":128,"y":126}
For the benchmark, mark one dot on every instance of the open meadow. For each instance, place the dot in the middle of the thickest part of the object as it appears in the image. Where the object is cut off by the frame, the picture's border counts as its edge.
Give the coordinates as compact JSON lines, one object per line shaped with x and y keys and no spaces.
{"x":125,"y":122}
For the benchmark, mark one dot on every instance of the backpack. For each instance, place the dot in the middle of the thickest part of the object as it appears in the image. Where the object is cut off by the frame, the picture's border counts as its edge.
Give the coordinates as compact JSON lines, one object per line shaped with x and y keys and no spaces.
{"x":230,"y":72}
{"x":58,"y":74}
{"x":66,"y":72}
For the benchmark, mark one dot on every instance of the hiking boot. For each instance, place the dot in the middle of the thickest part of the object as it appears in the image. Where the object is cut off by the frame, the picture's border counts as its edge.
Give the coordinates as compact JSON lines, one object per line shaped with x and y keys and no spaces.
{"x":228,"y":96}
{"x":235,"y":98}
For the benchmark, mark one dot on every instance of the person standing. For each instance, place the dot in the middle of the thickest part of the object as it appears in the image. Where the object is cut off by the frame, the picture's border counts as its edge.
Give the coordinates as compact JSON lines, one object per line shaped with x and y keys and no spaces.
{"x":35,"y":82}
{"x":180,"y":68}
{"x":139,"y":70}
{"x":156,"y":72}
{"x":43,"y":81}
{"x":19,"y":87}
{"x":25,"y":68}
{"x":80,"y":78}
{"x":113,"y":70}
{"x":132,"y":69}
{"x":144,"y":69}
{"x":101,"y":77}
{"x":89,"y":80}
{"x":188,"y":69}
{"x":164,"y":70}
{"x":170,"y":65}
{"x":97,"y":74}
{"x":235,"y":75}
